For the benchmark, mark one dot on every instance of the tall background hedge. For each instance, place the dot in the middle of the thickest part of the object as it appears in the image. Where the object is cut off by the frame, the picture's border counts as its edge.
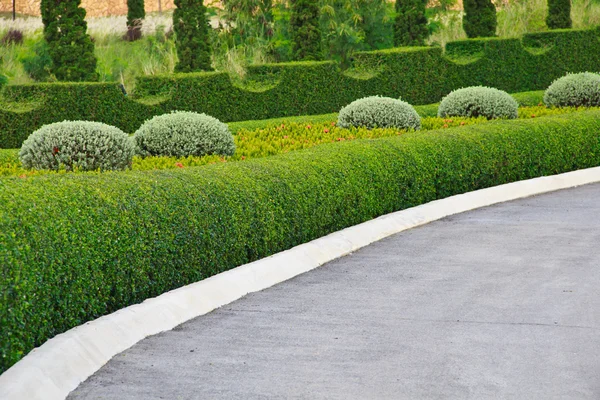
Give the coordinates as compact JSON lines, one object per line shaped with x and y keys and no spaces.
{"x":78,"y":246}
{"x":418,"y":75}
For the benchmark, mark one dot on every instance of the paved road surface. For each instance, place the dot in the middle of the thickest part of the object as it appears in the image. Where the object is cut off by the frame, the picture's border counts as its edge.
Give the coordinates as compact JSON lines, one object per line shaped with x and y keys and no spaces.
{"x":498,"y":303}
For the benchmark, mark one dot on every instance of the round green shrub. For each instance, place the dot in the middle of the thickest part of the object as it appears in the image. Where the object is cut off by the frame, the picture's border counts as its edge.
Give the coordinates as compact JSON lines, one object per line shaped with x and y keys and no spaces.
{"x":183,"y":134}
{"x":574,"y":90}
{"x":479,"y":101}
{"x":83,"y":145}
{"x":379,"y":112}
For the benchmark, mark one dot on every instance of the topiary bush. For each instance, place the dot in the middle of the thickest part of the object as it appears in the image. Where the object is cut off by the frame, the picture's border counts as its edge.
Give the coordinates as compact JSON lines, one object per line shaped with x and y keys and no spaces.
{"x":479,"y":101}
{"x":135,"y":16}
{"x":559,"y":14}
{"x":480,"y":18}
{"x":574,"y":90}
{"x":410,"y":24}
{"x":183,"y":134}
{"x":192,"y":38}
{"x":69,"y":46}
{"x":305,"y":30}
{"x":81,"y":145}
{"x":379,"y":112}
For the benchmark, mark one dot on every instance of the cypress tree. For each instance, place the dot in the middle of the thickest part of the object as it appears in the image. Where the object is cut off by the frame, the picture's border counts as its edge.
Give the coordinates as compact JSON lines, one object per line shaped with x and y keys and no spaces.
{"x":191,"y":36}
{"x":69,"y":46}
{"x":410,"y":26}
{"x":135,"y":15}
{"x":559,"y":14}
{"x":480,"y":18}
{"x":306,"y":33}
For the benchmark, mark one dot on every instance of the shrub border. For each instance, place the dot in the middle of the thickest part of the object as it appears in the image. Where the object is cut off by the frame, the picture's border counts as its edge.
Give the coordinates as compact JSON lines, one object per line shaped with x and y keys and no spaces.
{"x":57,"y":367}
{"x":419,"y":75}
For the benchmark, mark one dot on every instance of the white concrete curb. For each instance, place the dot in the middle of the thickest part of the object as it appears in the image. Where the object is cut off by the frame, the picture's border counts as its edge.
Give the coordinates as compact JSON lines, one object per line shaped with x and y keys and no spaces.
{"x":56,"y":368}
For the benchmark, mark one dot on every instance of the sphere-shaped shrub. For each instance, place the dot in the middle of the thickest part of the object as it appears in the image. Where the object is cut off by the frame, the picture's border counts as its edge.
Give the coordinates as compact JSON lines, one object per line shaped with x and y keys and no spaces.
{"x":574,"y":90}
{"x":84,"y":145}
{"x":479,"y":101}
{"x":183,"y":134}
{"x":379,"y":112}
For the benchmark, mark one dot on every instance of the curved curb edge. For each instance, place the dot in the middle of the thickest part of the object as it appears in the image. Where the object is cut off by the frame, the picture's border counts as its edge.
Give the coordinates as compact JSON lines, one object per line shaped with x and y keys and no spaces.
{"x":54,"y":369}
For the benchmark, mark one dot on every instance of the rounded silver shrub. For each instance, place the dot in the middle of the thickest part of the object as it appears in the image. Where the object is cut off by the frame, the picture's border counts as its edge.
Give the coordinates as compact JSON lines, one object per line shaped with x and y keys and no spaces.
{"x":183,"y":134}
{"x":379,"y":112}
{"x":81,"y":145}
{"x":574,"y":90}
{"x":479,"y":101}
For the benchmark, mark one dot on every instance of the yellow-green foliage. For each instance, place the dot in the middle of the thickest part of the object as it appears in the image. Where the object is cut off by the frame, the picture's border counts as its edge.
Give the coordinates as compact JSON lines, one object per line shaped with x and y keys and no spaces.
{"x":283,"y":137}
{"x":275,"y":139}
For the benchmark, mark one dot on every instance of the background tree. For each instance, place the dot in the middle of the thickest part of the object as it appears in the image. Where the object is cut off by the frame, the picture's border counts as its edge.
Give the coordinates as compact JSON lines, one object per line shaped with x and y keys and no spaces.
{"x":191,"y":36}
{"x":306,"y":33}
{"x":135,"y":15}
{"x":249,"y":18}
{"x":69,"y":46}
{"x":559,"y":14}
{"x":480,"y":18}
{"x":410,"y":26}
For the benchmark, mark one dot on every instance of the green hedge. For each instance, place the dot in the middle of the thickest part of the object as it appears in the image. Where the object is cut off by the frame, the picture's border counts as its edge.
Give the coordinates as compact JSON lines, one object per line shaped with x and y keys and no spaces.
{"x":78,"y":246}
{"x":420,"y":75}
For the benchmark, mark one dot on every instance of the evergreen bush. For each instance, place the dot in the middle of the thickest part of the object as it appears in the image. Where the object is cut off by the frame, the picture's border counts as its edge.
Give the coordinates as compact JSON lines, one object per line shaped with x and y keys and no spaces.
{"x":574,"y":90}
{"x":70,"y":47}
{"x":559,"y":14}
{"x":306,"y":33}
{"x":480,"y":18}
{"x":479,"y":101}
{"x":191,"y":36}
{"x":379,"y":112}
{"x":135,"y":16}
{"x":82,"y":145}
{"x":183,"y":134}
{"x":410,"y":26}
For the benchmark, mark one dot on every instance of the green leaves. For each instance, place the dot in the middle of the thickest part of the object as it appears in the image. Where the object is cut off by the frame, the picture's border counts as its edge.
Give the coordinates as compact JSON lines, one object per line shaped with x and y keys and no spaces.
{"x":70,"y":47}
{"x":135,"y":15}
{"x":306,"y":33}
{"x":78,"y":246}
{"x":191,"y":36}
{"x":480,"y":18}
{"x":559,"y":14}
{"x":410,"y":26}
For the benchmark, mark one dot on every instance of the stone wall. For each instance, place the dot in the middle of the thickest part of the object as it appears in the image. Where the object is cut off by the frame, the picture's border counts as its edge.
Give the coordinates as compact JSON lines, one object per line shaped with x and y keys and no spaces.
{"x":94,"y":8}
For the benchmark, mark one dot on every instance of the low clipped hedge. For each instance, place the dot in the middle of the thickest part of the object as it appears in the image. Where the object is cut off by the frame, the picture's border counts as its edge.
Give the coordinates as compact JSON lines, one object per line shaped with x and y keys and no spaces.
{"x":78,"y":246}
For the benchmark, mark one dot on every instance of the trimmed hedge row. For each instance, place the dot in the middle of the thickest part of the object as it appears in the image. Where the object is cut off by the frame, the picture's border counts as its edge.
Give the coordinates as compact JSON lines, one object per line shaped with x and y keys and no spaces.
{"x":419,"y":75}
{"x":78,"y":246}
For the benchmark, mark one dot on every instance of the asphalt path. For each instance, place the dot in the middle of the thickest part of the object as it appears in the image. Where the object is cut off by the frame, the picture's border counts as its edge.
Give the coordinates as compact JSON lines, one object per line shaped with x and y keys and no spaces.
{"x":498,"y":303}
